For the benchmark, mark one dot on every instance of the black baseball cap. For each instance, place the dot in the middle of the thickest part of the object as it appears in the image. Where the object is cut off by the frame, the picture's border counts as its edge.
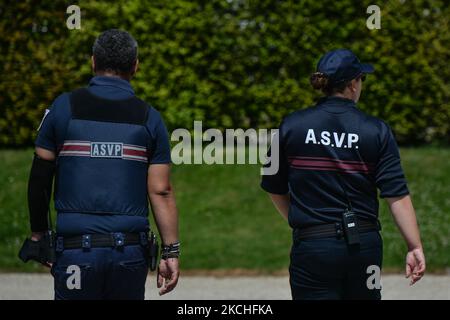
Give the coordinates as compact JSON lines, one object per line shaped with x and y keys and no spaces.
{"x":342,"y":65}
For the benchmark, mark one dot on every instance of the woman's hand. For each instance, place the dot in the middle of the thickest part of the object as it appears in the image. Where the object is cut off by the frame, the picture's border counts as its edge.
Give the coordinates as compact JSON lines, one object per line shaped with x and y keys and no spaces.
{"x":415,"y":265}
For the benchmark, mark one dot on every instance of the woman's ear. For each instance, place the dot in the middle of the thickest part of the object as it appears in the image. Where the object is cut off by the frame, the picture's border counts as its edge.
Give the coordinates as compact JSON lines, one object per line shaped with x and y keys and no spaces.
{"x":93,"y":63}
{"x":353,"y":85}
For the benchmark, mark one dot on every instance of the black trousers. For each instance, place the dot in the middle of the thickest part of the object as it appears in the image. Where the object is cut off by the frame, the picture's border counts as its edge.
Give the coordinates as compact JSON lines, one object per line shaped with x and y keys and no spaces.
{"x":104,"y":274}
{"x":328,"y":268}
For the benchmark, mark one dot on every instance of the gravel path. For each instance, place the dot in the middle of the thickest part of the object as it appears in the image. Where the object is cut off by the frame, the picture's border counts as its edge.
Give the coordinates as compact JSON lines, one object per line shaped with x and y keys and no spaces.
{"x":39,"y":286}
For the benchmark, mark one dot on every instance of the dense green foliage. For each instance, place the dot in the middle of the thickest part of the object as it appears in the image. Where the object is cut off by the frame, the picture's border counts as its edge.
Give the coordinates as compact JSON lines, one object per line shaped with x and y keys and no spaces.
{"x":231,"y":63}
{"x":238,"y":227}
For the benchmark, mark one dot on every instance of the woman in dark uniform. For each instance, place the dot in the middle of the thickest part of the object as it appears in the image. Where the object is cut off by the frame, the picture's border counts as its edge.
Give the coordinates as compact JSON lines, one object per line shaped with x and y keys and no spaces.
{"x":332,"y":159}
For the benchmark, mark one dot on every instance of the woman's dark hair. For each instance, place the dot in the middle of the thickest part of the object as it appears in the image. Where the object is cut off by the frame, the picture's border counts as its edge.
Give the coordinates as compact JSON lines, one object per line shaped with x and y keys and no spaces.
{"x":320,"y":81}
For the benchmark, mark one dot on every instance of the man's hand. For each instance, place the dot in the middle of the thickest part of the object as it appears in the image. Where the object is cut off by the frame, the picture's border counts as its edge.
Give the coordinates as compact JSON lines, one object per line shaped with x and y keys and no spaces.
{"x":415,"y":265}
{"x":168,"y":274}
{"x":36,"y":236}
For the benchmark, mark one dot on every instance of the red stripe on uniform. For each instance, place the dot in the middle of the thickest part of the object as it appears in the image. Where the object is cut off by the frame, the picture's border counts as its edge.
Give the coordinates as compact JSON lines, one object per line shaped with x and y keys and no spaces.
{"x":131,"y":152}
{"x":330,"y":169}
{"x":334,"y":160}
{"x":75,"y":148}
{"x":330,"y":164}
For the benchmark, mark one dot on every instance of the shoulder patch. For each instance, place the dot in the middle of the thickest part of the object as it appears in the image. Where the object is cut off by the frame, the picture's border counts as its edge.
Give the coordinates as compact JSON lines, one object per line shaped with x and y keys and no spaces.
{"x":47,"y":111}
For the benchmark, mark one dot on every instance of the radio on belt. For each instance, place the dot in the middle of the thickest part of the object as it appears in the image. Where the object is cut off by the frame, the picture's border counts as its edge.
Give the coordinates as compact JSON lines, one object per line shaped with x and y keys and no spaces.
{"x":350,"y":227}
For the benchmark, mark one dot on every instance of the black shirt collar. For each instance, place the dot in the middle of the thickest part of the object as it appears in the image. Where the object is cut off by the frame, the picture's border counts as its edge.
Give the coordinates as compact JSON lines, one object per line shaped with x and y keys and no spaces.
{"x":335,"y":102}
{"x":112,"y":82}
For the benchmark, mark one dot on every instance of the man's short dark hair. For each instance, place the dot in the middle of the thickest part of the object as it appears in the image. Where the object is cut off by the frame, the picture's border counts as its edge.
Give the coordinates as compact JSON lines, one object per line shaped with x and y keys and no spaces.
{"x":115,"y":51}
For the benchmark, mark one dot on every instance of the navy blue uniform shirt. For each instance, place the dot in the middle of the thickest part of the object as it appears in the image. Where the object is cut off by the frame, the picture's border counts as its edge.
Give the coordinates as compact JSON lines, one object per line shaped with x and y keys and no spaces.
{"x":332,"y":154}
{"x":51,"y":135}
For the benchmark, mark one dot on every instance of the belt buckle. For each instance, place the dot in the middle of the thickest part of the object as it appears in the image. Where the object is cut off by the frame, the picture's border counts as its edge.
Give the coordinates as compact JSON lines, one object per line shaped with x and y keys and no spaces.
{"x":86,"y":241}
{"x":143,"y":238}
{"x":339,"y":231}
{"x":59,"y":244}
{"x":119,"y":239}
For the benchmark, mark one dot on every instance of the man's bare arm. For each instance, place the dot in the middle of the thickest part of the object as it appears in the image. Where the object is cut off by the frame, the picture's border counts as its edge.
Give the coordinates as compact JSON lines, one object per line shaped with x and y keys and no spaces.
{"x":164,"y":209}
{"x":45,"y":154}
{"x":162,"y":201}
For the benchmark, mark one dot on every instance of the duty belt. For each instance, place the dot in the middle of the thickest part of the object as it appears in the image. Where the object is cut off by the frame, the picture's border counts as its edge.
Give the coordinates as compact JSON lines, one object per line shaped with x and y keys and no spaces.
{"x":87,"y":241}
{"x":334,"y":230}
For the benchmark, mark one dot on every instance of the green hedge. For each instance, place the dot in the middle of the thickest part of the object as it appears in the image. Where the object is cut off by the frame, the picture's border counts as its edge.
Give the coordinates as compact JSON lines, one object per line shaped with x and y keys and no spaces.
{"x":232,"y":63}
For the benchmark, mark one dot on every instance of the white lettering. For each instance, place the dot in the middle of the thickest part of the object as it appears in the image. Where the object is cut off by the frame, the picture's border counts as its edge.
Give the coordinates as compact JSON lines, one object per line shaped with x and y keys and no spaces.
{"x":102,"y":149}
{"x":118,"y":150}
{"x":110,"y":149}
{"x":310,"y":137}
{"x":325,"y":138}
{"x":338,"y":141}
{"x":352,"y":138}
{"x":95,"y":150}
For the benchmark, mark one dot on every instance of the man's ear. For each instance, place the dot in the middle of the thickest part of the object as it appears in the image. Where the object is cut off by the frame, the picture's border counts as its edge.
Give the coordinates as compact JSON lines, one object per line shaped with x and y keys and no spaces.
{"x":136,"y":66}
{"x":93,"y":63}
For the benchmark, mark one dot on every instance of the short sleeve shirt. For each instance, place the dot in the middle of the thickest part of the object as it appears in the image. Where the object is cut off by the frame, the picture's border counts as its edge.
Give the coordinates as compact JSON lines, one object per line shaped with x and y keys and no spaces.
{"x":51,"y":136}
{"x":332,"y":156}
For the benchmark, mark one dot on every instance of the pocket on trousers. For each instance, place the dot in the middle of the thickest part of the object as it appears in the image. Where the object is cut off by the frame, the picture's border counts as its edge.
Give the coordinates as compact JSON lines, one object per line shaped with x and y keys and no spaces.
{"x":371,"y":240}
{"x":130,"y":279}
{"x":133,"y":270}
{"x":134,"y":265}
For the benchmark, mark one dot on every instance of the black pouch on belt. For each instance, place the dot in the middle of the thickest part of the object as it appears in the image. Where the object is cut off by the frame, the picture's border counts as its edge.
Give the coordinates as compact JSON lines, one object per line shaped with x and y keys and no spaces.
{"x":350,"y":227}
{"x":153,"y":250}
{"x":42,"y":251}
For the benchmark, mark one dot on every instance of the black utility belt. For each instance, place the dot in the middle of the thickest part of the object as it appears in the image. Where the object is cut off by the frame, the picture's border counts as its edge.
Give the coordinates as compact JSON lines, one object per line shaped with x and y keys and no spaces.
{"x":88,"y":241}
{"x":336,"y":229}
{"x":44,"y":251}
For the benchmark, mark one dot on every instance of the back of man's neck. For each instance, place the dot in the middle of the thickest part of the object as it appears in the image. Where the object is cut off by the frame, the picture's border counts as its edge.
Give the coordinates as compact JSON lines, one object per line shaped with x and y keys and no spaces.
{"x":112,"y":75}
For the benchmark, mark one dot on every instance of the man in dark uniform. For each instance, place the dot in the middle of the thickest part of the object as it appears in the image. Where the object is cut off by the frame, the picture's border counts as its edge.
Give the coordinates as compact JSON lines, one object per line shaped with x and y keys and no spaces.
{"x":110,"y":153}
{"x":332,"y":158}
